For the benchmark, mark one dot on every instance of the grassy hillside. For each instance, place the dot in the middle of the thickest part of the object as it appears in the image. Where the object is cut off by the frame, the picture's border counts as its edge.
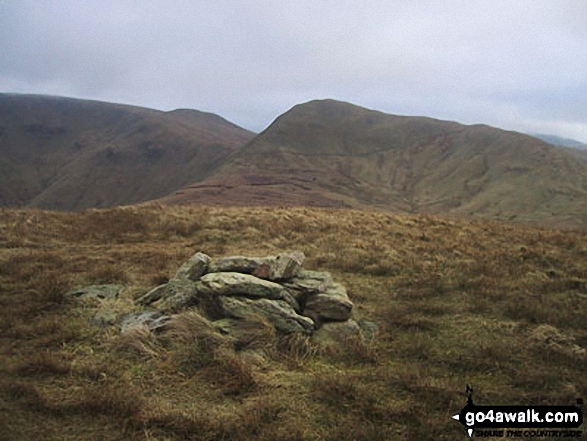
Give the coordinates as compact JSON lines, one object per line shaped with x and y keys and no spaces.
{"x":333,"y":154}
{"x":458,"y":301}
{"x":72,"y":154}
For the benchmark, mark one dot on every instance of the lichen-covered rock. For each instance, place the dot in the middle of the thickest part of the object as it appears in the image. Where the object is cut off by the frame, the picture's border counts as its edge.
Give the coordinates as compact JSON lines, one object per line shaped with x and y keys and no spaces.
{"x":292,"y":301}
{"x":277,"y":312}
{"x":177,"y":295}
{"x":331,"y":305}
{"x":310,"y":282}
{"x":100,"y":292}
{"x":194,"y":268}
{"x":231,"y":284}
{"x":281,"y":267}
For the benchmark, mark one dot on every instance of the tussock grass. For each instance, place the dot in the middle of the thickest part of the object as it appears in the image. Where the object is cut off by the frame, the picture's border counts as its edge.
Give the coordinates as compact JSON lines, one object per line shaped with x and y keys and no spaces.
{"x":457,"y":302}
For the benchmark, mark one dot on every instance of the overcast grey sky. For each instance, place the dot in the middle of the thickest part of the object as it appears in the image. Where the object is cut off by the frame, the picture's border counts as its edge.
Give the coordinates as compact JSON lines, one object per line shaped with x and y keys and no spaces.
{"x":515,"y":64}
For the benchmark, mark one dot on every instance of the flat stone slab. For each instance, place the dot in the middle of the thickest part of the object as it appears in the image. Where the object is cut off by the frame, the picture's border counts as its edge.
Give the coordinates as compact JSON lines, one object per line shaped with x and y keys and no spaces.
{"x":310,"y":282}
{"x":233,"y":284}
{"x":235,"y":264}
{"x":175,"y":296}
{"x":278,"y":312}
{"x":281,"y":267}
{"x":100,"y":292}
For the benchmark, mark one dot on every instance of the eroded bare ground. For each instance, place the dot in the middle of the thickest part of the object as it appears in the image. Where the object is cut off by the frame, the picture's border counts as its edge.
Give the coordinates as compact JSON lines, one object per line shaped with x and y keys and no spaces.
{"x":457,"y":301}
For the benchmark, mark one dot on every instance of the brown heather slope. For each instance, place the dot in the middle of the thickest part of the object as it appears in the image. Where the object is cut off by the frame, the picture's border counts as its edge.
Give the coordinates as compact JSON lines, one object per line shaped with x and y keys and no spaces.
{"x":500,"y":306}
{"x":64,"y":153}
{"x":333,"y":154}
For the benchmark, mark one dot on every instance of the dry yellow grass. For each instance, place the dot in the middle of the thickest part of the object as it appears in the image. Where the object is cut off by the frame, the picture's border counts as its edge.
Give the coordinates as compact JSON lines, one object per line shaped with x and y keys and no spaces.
{"x":457,"y":302}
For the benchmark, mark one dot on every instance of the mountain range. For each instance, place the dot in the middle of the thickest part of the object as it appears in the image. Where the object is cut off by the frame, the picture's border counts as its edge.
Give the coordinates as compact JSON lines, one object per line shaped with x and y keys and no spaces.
{"x":329,"y":153}
{"x":73,"y":154}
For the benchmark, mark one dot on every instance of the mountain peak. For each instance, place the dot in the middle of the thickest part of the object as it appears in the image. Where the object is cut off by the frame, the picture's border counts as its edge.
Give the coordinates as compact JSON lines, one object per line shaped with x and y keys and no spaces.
{"x":329,"y":107}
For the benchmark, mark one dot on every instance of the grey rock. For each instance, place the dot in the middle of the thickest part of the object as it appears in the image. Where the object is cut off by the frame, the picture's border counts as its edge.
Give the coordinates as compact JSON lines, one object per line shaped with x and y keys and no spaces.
{"x":237,"y":264}
{"x":195,"y":267}
{"x":310,"y":282}
{"x":230,"y":284}
{"x":280,"y":267}
{"x":152,"y":320}
{"x":278,"y":312}
{"x":177,"y":295}
{"x":292,"y":301}
{"x":99,"y":292}
{"x":333,"y":304}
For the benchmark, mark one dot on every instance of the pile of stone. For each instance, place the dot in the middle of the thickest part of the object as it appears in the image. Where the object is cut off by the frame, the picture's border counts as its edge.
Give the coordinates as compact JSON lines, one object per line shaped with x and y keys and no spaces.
{"x":277,"y":288}
{"x":229,"y":291}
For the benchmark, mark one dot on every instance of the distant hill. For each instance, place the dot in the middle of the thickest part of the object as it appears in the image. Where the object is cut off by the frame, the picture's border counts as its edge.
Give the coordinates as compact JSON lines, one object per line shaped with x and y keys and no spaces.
{"x":64,"y":153}
{"x":70,"y":154}
{"x":560,"y":141}
{"x":334,"y":154}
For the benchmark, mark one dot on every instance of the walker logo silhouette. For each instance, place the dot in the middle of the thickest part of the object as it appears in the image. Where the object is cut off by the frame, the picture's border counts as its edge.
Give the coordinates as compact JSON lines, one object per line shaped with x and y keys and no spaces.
{"x":520,"y":421}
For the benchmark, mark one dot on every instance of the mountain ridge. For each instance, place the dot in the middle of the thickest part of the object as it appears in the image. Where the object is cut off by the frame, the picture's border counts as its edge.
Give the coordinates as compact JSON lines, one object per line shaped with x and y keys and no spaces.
{"x":65,"y":153}
{"x":71,"y":154}
{"x":335,"y":154}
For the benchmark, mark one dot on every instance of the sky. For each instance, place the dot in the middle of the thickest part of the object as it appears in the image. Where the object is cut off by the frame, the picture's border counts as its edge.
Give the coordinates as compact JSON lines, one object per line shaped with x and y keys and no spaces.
{"x":514,"y":64}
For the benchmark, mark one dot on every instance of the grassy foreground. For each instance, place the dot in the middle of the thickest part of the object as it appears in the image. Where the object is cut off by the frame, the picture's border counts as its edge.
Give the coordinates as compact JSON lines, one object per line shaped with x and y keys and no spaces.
{"x":457,"y":301}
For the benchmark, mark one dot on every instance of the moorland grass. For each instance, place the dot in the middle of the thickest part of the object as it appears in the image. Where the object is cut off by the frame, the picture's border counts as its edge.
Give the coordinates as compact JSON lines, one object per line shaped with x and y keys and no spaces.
{"x":456,"y":300}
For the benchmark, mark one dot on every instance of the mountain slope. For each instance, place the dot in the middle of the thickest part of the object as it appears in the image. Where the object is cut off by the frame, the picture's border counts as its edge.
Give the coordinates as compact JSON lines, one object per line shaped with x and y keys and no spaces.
{"x":72,"y":154}
{"x":329,"y":153}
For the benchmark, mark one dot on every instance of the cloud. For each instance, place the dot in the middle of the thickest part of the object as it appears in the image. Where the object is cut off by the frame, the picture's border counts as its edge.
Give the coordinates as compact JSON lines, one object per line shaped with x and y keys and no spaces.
{"x":514,"y":64}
